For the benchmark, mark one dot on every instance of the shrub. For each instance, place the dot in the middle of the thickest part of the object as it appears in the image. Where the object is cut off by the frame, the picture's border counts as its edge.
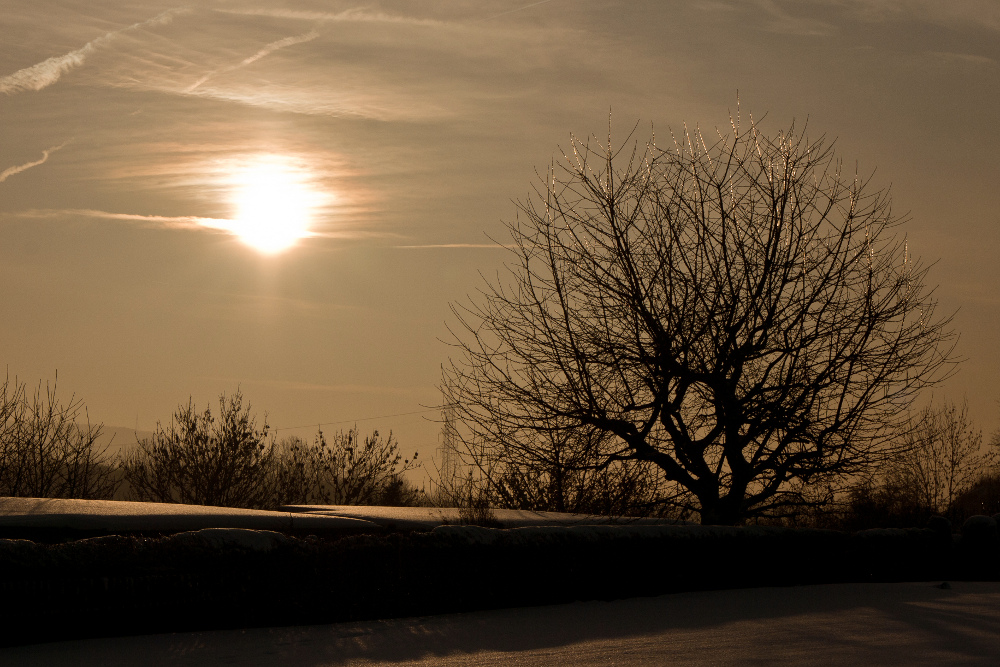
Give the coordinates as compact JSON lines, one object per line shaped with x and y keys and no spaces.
{"x":48,"y":448}
{"x":344,"y":470}
{"x":201,"y":460}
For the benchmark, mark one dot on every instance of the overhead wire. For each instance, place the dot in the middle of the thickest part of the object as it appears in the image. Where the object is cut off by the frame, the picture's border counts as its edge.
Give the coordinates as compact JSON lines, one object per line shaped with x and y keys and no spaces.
{"x":363,"y":419}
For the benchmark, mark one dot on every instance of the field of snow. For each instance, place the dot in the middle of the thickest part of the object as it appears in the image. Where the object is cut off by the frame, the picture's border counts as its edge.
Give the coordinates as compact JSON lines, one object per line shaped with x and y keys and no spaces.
{"x":885,"y":624}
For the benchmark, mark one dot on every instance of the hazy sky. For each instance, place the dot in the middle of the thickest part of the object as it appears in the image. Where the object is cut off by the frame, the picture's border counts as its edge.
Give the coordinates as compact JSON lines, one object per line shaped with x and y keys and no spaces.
{"x":133,"y":133}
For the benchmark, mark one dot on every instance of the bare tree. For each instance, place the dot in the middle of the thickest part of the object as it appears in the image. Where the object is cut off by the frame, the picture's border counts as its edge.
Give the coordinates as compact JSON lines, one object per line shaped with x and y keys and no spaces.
{"x":204,"y":460}
{"x":48,"y":448}
{"x":739,"y":315}
{"x":943,"y":457}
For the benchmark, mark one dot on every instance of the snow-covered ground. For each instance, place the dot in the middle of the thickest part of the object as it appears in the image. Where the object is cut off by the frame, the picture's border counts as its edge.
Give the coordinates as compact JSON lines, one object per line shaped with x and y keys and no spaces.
{"x":117,"y":515}
{"x":843,"y":624}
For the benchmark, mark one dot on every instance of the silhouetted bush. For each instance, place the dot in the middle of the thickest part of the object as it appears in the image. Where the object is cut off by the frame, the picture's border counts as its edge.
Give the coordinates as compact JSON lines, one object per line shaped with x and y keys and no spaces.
{"x":884,"y":505}
{"x":346,"y":470}
{"x":201,"y":460}
{"x":48,"y":448}
{"x":557,"y":472}
{"x":228,"y":461}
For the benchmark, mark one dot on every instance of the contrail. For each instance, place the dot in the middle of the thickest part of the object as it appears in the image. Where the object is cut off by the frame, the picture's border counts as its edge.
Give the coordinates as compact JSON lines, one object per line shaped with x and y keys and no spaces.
{"x":10,"y":171}
{"x":161,"y":221}
{"x":268,"y":49}
{"x":49,"y":71}
{"x":355,"y":15}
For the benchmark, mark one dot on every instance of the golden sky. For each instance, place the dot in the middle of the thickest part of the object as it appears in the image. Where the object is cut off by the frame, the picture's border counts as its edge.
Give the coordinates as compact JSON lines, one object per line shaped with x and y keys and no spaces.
{"x":144,"y":145}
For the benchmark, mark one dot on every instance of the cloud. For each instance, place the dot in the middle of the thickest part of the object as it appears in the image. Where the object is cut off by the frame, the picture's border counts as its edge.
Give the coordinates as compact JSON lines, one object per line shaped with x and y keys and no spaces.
{"x":47,"y":72}
{"x":453,"y":245}
{"x":161,"y":221}
{"x":784,"y":22}
{"x":979,"y":13}
{"x":516,"y":9}
{"x":190,"y":222}
{"x":350,"y":102}
{"x":10,"y":171}
{"x":357,"y":15}
{"x":266,"y":50}
{"x":962,"y":58}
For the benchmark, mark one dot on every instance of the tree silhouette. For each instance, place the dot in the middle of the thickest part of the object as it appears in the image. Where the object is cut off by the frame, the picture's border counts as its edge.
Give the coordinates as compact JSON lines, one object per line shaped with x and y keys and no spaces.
{"x":740,"y":315}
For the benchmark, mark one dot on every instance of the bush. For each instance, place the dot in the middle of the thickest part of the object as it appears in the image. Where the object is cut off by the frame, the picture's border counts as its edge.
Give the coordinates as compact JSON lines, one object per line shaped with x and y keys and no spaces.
{"x":45,"y":450}
{"x":201,"y":460}
{"x":345,"y":470}
{"x":557,"y":472}
{"x":884,"y":505}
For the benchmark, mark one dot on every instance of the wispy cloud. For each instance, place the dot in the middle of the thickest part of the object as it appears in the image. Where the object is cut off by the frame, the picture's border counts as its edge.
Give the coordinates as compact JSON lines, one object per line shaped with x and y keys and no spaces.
{"x":452,"y":245}
{"x":190,"y":222}
{"x":161,"y":221}
{"x":516,"y":9}
{"x":10,"y":171}
{"x":356,"y":15}
{"x":962,"y":58}
{"x":782,"y":21}
{"x":350,"y":102}
{"x":47,"y":72}
{"x":266,"y":50}
{"x":980,"y":13}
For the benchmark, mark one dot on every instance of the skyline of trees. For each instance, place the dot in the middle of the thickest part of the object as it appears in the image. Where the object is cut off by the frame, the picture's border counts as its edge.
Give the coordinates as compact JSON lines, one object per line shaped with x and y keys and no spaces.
{"x":952,"y":445}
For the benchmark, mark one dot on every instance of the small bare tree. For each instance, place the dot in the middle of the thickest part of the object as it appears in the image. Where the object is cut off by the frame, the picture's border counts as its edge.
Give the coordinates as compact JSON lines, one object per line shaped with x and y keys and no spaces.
{"x":737,"y":314}
{"x":203,"y":460}
{"x":48,"y":449}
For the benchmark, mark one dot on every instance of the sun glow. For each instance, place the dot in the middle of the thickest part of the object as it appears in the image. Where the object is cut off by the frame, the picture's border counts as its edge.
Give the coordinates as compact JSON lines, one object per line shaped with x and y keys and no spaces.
{"x":274,"y":204}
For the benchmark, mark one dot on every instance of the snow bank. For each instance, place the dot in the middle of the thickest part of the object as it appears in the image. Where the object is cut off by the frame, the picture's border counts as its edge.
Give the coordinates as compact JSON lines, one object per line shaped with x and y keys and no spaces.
{"x":53,"y":518}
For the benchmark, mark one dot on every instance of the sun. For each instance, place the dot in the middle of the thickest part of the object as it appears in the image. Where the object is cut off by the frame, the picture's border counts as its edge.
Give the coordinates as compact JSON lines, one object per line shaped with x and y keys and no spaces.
{"x":273,"y":203}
